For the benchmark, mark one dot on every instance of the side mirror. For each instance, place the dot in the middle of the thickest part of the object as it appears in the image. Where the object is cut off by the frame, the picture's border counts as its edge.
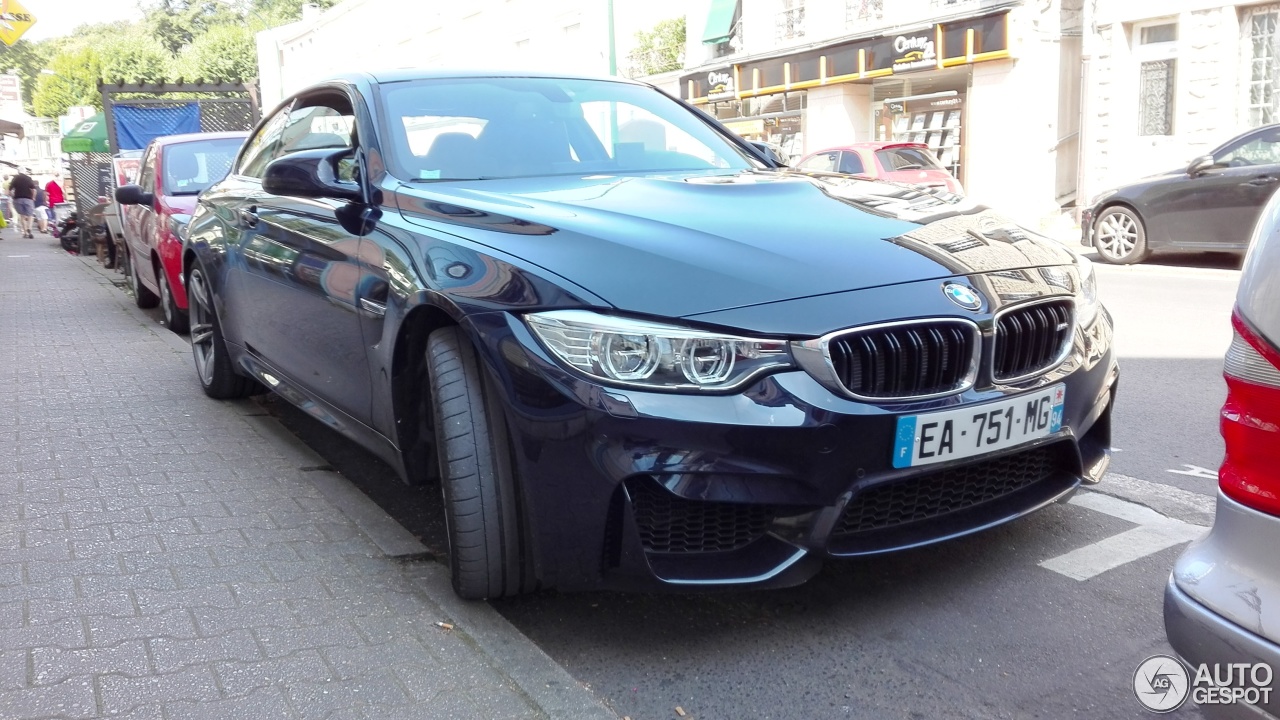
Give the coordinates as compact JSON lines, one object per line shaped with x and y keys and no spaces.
{"x":310,"y":174}
{"x":769,"y":153}
{"x":133,"y":195}
{"x":1199,"y":165}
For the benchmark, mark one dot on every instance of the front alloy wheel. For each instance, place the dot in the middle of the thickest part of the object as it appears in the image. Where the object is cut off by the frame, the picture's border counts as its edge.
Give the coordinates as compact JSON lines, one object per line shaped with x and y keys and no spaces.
{"x":1120,"y":237}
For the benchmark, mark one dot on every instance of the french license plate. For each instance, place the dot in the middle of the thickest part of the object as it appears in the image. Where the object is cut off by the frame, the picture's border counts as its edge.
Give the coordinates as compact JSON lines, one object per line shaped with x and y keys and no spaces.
{"x":977,"y":429}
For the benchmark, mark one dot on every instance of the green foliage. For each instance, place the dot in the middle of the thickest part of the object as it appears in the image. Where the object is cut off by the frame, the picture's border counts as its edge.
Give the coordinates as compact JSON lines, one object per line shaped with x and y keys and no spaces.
{"x":74,"y":82}
{"x":134,"y":57}
{"x":176,"y":39}
{"x":658,"y":50}
{"x":224,"y":52}
{"x":28,"y":59}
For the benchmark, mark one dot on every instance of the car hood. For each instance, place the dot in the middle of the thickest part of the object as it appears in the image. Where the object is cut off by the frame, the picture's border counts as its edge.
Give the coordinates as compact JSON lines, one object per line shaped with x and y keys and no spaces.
{"x":685,"y":244}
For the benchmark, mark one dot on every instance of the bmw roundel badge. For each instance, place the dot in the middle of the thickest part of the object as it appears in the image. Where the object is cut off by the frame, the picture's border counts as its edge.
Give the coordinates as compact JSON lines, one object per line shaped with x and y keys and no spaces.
{"x":963,"y":295}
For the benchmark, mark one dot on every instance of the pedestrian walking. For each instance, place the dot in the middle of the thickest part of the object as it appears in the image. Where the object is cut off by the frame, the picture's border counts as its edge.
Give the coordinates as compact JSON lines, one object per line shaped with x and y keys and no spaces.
{"x":56,"y":197}
{"x":42,"y":210}
{"x":23,"y":191}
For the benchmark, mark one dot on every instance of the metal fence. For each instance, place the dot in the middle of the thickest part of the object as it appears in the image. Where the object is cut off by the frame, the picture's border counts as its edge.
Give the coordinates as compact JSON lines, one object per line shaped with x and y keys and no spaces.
{"x":90,"y":179}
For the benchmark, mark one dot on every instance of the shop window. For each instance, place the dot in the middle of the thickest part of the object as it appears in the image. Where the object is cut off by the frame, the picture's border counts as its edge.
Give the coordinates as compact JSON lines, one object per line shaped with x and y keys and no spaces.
{"x":790,"y":20}
{"x":1261,"y":47}
{"x":1155,"y":48}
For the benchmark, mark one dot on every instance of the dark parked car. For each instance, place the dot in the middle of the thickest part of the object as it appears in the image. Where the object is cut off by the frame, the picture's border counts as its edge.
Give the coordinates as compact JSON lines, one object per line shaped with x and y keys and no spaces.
{"x":1223,"y":595}
{"x":174,"y":170}
{"x":1210,"y":205}
{"x":633,"y":352}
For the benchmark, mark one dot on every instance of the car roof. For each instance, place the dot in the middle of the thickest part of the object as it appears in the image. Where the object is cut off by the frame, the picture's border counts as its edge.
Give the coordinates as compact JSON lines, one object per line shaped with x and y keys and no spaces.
{"x":877,"y":145}
{"x":392,"y":75}
{"x":196,"y":137}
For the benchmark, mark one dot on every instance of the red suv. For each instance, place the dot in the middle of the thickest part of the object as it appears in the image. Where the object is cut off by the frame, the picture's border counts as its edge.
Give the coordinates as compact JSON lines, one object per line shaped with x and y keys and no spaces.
{"x":912,"y":163}
{"x":175,"y":169}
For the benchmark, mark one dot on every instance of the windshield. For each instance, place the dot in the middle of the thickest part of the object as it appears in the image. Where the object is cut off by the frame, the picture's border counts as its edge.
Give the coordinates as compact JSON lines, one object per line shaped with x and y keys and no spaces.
{"x":907,"y":158}
{"x":190,"y":167}
{"x":488,"y":128}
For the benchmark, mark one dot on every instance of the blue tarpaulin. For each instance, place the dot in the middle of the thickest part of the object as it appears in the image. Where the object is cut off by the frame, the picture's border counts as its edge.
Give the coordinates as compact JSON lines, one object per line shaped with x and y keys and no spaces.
{"x":138,"y":125}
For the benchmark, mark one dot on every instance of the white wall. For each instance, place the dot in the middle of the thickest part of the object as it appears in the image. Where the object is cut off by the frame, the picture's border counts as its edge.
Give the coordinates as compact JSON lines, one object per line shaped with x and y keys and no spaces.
{"x":837,"y":115}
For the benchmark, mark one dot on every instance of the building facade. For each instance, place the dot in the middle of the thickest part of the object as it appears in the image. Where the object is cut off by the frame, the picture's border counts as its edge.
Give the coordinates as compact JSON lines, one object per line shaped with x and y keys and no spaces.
{"x":551,"y":35}
{"x":991,"y":86}
{"x":1171,"y":80}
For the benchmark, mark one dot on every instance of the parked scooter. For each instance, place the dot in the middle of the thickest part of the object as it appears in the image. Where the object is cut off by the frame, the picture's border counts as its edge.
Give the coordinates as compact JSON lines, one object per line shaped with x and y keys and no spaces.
{"x":68,"y":233}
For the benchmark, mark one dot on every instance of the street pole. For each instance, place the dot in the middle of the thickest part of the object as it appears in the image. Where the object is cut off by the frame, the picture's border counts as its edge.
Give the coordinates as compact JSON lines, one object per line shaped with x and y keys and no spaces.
{"x":613,"y":53}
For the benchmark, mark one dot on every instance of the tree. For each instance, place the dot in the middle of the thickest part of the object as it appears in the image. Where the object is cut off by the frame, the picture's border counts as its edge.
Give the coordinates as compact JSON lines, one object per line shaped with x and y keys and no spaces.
{"x":134,"y":57}
{"x":658,"y":50}
{"x":177,"y":23}
{"x":28,"y":59}
{"x":77,"y":68}
{"x":74,"y":82}
{"x":286,"y":11}
{"x":224,"y":52}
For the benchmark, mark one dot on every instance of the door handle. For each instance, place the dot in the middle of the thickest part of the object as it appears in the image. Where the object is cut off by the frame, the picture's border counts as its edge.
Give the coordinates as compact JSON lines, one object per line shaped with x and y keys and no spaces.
{"x":249,"y":217}
{"x":1264,"y":180}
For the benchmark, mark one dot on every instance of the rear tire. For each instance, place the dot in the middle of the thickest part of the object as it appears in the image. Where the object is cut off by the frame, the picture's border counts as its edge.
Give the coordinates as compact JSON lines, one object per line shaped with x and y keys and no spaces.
{"x":213,"y":364}
{"x":488,"y":554}
{"x":1120,"y":237}
{"x":174,"y":317}
{"x":143,"y":297}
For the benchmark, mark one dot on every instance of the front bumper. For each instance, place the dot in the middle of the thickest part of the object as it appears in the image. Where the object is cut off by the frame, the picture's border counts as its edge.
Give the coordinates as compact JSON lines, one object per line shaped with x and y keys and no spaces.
{"x":642,"y":490}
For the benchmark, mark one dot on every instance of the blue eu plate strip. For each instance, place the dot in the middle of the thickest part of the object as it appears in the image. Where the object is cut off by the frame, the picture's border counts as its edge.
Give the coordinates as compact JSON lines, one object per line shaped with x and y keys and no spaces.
{"x":905,"y":444}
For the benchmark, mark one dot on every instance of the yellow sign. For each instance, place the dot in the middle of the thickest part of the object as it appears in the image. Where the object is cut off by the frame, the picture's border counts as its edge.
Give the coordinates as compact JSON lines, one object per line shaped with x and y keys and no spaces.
{"x":14,"y":20}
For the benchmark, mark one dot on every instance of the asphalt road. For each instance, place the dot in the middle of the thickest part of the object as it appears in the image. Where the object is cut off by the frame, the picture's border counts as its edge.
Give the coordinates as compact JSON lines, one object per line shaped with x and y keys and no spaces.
{"x":970,"y":629}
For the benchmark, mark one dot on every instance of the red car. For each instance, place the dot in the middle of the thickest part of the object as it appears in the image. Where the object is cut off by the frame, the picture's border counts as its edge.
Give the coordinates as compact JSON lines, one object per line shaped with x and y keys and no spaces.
{"x":912,"y":163}
{"x":174,"y":170}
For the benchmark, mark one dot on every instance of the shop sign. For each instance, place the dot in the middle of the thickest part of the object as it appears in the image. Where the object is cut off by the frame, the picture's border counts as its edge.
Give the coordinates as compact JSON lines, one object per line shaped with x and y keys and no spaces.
{"x":720,"y":85}
{"x":914,"y":52}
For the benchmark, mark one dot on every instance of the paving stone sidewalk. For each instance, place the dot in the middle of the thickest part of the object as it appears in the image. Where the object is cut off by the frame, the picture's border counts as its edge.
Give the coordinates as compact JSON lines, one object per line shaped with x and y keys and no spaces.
{"x":163,"y":555}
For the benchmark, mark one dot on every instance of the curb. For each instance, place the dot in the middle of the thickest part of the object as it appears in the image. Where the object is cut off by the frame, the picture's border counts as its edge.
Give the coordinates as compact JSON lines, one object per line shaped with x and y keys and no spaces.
{"x":543,"y":681}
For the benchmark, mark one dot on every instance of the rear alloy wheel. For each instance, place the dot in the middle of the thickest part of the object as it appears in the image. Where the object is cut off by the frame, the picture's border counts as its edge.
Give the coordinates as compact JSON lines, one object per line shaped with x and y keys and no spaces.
{"x":174,"y":316}
{"x":488,"y":554}
{"x":144,"y":298}
{"x":1120,"y":237}
{"x":213,"y":364}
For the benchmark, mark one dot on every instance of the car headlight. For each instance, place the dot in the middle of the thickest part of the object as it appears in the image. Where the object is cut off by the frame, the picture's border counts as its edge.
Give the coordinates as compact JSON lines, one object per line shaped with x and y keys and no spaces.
{"x":1087,"y":298}
{"x":636,"y":353}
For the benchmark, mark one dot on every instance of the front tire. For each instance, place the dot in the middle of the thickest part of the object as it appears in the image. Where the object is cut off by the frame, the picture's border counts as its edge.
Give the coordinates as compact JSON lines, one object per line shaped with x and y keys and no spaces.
{"x":1120,"y":237}
{"x":487,"y":551}
{"x":213,"y":364}
{"x":143,"y":297}
{"x":174,"y":317}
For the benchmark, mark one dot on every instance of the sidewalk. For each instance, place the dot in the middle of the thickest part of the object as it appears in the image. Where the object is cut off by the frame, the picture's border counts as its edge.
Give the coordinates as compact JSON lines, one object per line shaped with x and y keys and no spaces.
{"x":164,"y":555}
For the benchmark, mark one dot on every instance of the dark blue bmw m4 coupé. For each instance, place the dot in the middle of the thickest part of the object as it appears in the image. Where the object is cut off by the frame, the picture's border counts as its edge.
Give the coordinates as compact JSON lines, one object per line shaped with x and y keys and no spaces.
{"x":631,"y":350}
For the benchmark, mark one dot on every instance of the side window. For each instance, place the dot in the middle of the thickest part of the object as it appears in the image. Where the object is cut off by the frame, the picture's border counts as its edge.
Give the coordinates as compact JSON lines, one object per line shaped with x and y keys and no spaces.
{"x":259,"y":150}
{"x":850,"y":163}
{"x":823,"y":162}
{"x":147,"y":175}
{"x":321,"y":125}
{"x":1262,"y":149}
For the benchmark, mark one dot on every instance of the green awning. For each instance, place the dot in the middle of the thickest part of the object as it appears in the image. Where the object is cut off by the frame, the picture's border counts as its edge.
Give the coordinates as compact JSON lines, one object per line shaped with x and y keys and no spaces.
{"x":720,"y":22}
{"x":89,"y":136}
